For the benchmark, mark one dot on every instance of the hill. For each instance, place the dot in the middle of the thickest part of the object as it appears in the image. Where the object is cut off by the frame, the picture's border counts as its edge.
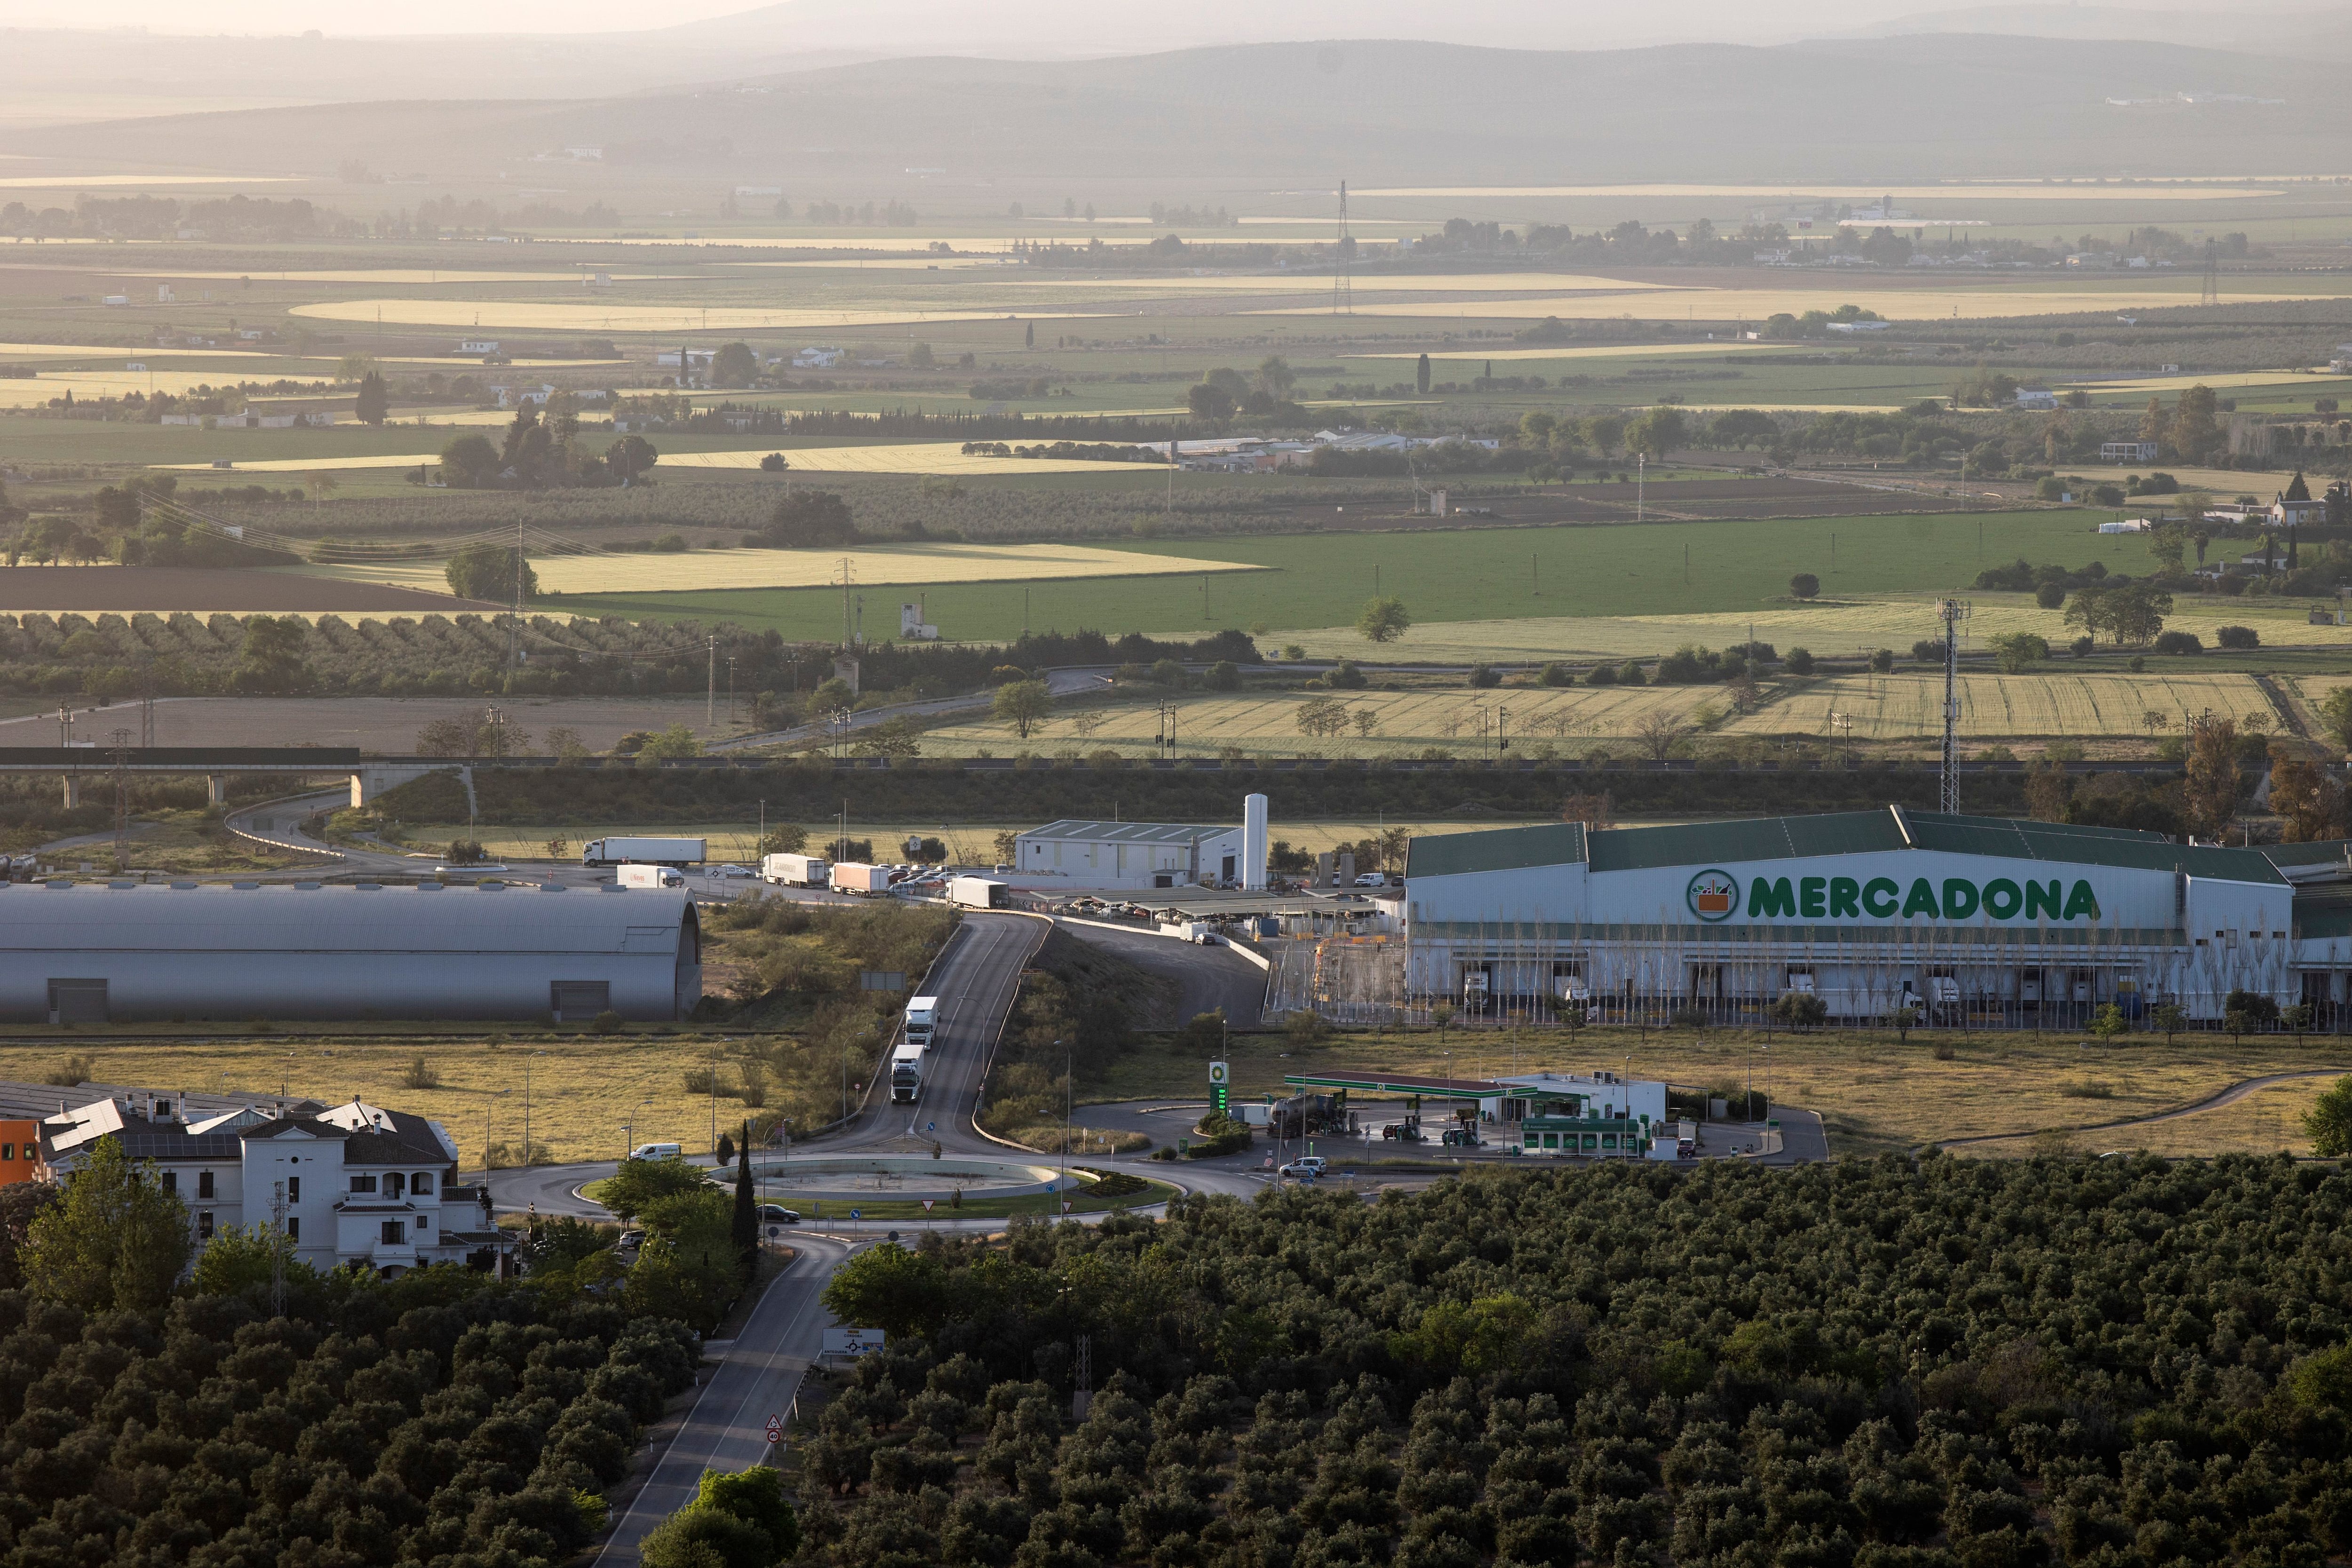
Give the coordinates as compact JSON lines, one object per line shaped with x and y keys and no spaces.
{"x":1386,"y":113}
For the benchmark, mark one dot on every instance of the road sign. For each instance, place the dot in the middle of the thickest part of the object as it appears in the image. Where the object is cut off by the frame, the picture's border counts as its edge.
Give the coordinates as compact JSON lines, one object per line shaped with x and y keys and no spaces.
{"x":853,"y":1341}
{"x":775,"y":1428}
{"x":881,"y":980}
{"x":1065,"y":1206}
{"x":928,"y":1202}
{"x":930,"y":1127}
{"x":856,"y":1214}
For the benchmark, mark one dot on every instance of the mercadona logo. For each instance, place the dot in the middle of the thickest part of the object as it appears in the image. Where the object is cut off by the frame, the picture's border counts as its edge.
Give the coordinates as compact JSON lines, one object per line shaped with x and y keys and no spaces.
{"x":1713,"y":895}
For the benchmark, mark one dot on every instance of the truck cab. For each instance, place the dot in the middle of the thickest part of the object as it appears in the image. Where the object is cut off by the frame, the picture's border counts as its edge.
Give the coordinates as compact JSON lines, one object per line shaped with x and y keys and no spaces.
{"x":922,"y":1018}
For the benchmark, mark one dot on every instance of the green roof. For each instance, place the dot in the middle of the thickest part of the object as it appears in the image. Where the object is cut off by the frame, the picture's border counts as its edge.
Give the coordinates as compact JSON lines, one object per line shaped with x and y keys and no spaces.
{"x":2325,"y":851}
{"x":1497,"y":850}
{"x":1830,"y":833}
{"x":2323,"y":912}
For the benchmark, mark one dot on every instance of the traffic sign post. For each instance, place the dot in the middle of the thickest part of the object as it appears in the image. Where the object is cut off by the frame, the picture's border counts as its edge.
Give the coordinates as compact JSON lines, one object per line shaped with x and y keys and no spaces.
{"x":775,"y":1429}
{"x":1218,"y":1075}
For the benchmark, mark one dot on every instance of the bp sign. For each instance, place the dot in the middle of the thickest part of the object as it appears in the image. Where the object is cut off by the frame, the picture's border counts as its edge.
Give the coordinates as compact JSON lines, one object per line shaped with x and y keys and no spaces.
{"x":1715,"y":896}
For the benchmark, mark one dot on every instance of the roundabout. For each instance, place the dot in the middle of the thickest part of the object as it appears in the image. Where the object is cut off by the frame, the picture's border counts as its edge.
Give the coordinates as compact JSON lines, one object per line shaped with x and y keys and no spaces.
{"x":849,"y":1178}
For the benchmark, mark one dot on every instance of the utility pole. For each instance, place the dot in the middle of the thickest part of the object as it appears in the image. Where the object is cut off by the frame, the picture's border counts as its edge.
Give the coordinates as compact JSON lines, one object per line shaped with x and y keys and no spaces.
{"x":1343,"y":297}
{"x":1952,"y":612}
{"x":710,"y":691}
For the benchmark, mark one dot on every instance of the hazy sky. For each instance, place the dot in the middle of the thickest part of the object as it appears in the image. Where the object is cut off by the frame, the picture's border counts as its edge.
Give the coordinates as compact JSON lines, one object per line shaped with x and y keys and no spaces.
{"x":1549,"y":22}
{"x":1485,"y":22}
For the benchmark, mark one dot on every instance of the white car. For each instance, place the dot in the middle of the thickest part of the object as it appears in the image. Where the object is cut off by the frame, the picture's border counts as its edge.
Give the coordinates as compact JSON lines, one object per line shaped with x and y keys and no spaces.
{"x":730,"y":871}
{"x":1305,"y":1169}
{"x":1372,"y":879}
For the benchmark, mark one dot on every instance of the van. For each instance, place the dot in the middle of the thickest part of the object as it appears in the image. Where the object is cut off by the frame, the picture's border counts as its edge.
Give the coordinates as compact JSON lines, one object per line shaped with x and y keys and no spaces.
{"x":649,"y":877}
{"x":657,"y":1151}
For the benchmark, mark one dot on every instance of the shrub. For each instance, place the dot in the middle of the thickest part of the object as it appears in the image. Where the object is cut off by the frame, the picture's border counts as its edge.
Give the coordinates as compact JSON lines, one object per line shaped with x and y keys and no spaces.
{"x":2237,"y":637}
{"x":1602,"y":674}
{"x":2179,"y":642}
{"x":1555,"y":674}
{"x":607,"y":1023}
{"x":1485,"y":676}
{"x":1804,"y":585}
{"x":1799,"y":662}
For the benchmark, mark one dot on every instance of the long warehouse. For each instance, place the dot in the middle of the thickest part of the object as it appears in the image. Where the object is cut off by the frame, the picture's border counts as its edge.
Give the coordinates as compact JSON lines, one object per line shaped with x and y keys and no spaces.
{"x":1963,"y":919}
{"x":76,"y":953}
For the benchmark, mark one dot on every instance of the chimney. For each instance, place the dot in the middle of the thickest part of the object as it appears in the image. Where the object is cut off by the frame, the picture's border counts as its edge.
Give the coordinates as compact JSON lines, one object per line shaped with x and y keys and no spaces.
{"x":1253,"y":843}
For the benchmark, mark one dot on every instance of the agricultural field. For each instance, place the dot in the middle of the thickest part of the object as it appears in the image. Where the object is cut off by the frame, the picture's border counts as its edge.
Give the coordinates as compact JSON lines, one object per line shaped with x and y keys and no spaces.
{"x":1842,"y":627}
{"x":386,"y":725}
{"x":703,"y":570}
{"x":1908,"y":705}
{"x":1404,"y":723}
{"x":1489,"y":573}
{"x":585,"y":1087}
{"x":912,"y":458}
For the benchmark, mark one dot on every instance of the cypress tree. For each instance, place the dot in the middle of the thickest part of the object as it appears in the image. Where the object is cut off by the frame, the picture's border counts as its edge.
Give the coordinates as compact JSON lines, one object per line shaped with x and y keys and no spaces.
{"x":746,"y":1213}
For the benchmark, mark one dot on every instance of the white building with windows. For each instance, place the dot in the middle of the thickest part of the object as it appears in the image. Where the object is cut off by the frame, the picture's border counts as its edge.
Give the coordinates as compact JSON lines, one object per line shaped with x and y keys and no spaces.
{"x":354,"y":1183}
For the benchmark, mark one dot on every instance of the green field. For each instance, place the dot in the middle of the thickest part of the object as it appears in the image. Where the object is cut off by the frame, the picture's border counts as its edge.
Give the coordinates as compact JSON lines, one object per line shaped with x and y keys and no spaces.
{"x":1321,"y":579}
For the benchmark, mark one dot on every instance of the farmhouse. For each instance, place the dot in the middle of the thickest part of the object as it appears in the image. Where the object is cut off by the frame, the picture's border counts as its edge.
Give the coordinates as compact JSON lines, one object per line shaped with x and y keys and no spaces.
{"x":1957,"y":919}
{"x":353,"y":1184}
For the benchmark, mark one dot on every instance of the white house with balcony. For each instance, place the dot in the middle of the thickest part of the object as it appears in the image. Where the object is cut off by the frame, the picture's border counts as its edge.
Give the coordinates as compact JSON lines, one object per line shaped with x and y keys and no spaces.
{"x":353,"y":1184}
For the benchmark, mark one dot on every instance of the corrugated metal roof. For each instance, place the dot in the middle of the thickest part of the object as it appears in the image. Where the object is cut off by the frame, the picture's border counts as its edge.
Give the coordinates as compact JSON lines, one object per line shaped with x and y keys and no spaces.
{"x":2066,"y":843}
{"x":2322,"y":852}
{"x":1760,"y":838}
{"x":94,"y":917}
{"x":1496,"y":850}
{"x":1128,"y":832}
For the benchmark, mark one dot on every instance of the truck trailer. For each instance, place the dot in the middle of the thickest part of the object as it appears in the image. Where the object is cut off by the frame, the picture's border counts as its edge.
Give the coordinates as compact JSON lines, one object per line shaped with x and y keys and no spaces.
{"x":976,"y":892}
{"x":906,"y":1075}
{"x":922,"y":1018}
{"x":795,"y":871}
{"x":645,"y":851}
{"x":849,"y":876}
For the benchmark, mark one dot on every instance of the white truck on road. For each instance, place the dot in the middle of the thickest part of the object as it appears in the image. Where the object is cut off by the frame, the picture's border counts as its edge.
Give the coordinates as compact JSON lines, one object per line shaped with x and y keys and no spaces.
{"x":906,"y":1074}
{"x":795,"y":871}
{"x":649,"y":877}
{"x":976,"y":892}
{"x":647,"y":851}
{"x":922,"y":1018}
{"x":849,"y":876}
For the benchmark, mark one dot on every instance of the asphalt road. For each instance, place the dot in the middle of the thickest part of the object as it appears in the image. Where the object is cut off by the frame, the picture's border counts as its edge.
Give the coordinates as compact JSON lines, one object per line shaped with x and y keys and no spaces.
{"x":757,"y":1375}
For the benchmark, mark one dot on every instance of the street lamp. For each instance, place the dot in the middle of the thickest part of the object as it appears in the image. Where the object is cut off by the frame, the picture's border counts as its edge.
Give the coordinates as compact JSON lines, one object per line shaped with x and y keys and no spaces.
{"x":496,"y":1095}
{"x":526,"y":1104}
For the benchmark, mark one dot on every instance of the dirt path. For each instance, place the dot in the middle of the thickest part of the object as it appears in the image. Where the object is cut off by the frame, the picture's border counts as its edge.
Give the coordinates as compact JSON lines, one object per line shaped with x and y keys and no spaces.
{"x":2215,"y":1101}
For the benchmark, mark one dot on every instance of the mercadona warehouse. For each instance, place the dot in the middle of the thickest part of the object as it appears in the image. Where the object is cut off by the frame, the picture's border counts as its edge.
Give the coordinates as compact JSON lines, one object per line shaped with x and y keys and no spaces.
{"x":1965,"y":919}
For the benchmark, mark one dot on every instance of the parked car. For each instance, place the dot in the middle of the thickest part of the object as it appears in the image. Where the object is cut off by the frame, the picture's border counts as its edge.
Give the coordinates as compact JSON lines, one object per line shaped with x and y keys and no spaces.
{"x":630,"y":1241}
{"x":1304,"y":1169}
{"x":730,"y":871}
{"x":1403,"y":1133}
{"x":1460,"y":1138}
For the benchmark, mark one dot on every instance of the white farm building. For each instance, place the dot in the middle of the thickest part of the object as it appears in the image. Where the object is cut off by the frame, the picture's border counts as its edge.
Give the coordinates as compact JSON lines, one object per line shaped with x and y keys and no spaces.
{"x":1979,"y":920}
{"x":76,"y":953}
{"x":1131,"y":855}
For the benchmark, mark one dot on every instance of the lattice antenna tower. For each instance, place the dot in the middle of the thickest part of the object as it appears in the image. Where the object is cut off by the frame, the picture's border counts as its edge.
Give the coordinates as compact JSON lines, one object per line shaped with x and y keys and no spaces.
{"x":1343,"y":297}
{"x":1952,"y":612}
{"x":2213,"y":290}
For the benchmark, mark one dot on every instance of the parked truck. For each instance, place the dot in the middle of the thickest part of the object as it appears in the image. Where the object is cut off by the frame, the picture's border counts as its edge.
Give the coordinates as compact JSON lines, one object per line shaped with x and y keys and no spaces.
{"x":645,"y":851}
{"x":922,"y":1017}
{"x":795,"y":871}
{"x":906,"y":1075}
{"x":976,"y":892}
{"x":849,"y":876}
{"x":650,"y":877}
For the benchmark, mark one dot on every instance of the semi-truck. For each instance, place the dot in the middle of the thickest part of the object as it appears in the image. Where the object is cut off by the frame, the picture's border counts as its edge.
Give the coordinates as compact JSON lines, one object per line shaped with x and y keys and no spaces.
{"x":922,"y":1017}
{"x":646,"y":851}
{"x":906,"y":1074}
{"x":850,"y":877}
{"x":649,"y":877}
{"x":976,"y":892}
{"x":795,"y":871}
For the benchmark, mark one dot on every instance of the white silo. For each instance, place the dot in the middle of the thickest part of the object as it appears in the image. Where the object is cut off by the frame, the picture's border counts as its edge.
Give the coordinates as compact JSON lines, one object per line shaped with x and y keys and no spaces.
{"x":1253,"y":843}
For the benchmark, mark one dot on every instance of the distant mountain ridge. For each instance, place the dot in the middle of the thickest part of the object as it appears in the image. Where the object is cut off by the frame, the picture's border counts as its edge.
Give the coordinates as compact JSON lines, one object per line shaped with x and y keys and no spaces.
{"x":1900,"y":108}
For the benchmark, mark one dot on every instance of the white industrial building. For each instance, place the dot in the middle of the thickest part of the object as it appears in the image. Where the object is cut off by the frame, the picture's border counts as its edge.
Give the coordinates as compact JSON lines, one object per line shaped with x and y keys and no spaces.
{"x":347,"y":1184}
{"x":77,"y":952}
{"x":1144,"y":855}
{"x":1962,"y":919}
